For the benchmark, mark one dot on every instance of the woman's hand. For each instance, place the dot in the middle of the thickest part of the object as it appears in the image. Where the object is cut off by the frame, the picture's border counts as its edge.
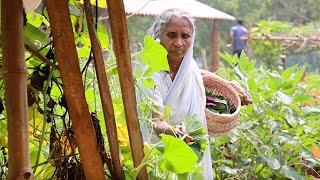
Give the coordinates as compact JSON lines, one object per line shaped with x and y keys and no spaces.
{"x":162,"y":127}
{"x":244,"y":95}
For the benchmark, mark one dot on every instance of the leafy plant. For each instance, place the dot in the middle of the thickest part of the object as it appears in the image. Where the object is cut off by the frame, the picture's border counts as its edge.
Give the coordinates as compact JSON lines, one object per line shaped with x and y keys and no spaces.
{"x":275,"y":133}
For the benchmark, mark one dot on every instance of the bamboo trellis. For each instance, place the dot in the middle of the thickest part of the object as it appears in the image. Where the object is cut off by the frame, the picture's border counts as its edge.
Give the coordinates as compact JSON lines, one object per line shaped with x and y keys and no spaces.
{"x":298,"y":42}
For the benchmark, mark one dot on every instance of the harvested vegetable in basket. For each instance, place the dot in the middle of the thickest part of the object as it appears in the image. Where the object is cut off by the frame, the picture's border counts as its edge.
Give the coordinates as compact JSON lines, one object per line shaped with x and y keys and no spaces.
{"x":218,"y":104}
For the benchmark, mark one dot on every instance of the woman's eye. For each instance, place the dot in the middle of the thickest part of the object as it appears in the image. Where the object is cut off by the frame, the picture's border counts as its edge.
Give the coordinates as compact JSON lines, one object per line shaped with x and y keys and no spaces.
{"x":185,"y":36}
{"x":171,"y":35}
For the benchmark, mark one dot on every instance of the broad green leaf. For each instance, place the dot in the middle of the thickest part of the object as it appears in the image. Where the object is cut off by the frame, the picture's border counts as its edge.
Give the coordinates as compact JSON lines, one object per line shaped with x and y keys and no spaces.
{"x":298,"y":76}
{"x":251,"y":65}
{"x":288,"y":145}
{"x":291,"y":173}
{"x":167,"y":111}
{"x":227,"y":169}
{"x":243,"y":62}
{"x":178,"y":156}
{"x":48,"y":172}
{"x":141,"y":71}
{"x":303,"y":98}
{"x":311,"y":110}
{"x":84,"y":52}
{"x":75,"y":10}
{"x":3,"y":128}
{"x":288,"y":72}
{"x":154,"y":55}
{"x":284,"y":98}
{"x":222,"y":140}
{"x":90,"y":97}
{"x":252,"y":85}
{"x":103,"y":35}
{"x":193,"y":124}
{"x":272,"y":162}
{"x":33,"y":155}
{"x":34,"y":34}
{"x":36,"y":19}
{"x":227,"y":58}
{"x":195,"y":128}
{"x":275,"y":81}
{"x":148,"y":82}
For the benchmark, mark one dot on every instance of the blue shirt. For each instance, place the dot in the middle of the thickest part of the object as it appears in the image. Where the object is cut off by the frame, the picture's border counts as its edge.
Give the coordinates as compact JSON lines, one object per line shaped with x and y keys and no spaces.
{"x":237,"y":32}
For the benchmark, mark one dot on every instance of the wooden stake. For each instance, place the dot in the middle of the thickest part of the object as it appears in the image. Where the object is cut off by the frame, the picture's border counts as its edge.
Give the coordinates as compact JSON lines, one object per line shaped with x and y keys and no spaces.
{"x":66,"y":52}
{"x":15,"y":82}
{"x":122,"y":52}
{"x":106,"y":101}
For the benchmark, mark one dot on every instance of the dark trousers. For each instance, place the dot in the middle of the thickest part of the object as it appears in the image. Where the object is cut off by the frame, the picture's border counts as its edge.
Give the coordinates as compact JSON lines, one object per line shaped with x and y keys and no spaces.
{"x":238,"y":52}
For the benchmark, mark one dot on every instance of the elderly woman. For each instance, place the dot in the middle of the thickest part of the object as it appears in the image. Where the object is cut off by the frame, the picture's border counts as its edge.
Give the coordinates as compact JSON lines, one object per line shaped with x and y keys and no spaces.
{"x":181,"y":88}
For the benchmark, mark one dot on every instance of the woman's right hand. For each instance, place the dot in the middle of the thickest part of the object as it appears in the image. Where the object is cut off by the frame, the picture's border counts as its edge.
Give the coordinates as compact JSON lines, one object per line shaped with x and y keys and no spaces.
{"x":162,"y":127}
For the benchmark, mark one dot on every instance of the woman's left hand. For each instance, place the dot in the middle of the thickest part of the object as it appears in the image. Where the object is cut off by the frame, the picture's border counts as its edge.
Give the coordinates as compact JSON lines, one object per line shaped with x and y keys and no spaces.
{"x":244,"y":95}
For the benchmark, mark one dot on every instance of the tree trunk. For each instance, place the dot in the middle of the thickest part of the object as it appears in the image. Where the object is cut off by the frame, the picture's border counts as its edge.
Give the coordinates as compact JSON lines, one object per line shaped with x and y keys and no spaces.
{"x":106,"y":101}
{"x":15,"y":82}
{"x":121,"y":47}
{"x":65,"y":49}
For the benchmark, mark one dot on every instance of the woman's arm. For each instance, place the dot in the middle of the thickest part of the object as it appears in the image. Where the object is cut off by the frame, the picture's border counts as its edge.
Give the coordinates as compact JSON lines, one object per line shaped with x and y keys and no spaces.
{"x":163,"y":127}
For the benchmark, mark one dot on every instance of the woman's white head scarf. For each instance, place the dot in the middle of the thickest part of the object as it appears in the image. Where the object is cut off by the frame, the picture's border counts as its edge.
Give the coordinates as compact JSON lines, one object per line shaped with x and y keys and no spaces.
{"x":186,"y":95}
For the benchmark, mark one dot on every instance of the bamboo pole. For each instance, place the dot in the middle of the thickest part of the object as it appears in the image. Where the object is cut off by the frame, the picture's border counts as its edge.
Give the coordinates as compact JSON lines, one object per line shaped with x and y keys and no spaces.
{"x":73,"y":88}
{"x":106,"y":101}
{"x":122,"y":52}
{"x":215,"y":44}
{"x":15,"y":82}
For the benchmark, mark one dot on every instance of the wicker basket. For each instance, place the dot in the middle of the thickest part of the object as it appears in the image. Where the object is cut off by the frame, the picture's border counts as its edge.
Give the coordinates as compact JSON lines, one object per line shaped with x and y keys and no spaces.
{"x":219,"y":124}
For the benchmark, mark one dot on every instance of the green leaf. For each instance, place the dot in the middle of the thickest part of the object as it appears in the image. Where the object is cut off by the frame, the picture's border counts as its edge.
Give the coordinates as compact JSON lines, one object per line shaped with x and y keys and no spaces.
{"x":195,"y":128}
{"x":167,"y":111}
{"x":34,"y":34}
{"x":227,"y":169}
{"x":154,"y":55}
{"x":84,"y":52}
{"x":275,"y":81}
{"x":298,"y":76}
{"x":228,"y":58}
{"x":291,"y":173}
{"x":243,"y":62}
{"x":284,"y":98}
{"x":148,"y":82}
{"x":273,"y":163}
{"x":103,"y":35}
{"x":287,"y":73}
{"x":36,"y":19}
{"x":303,"y":98}
{"x":251,"y":65}
{"x":178,"y":156}
{"x":222,"y":140}
{"x":75,"y":10}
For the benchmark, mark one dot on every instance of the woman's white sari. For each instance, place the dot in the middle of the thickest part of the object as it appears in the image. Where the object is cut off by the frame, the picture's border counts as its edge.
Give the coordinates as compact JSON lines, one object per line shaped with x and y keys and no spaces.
{"x":185,"y":96}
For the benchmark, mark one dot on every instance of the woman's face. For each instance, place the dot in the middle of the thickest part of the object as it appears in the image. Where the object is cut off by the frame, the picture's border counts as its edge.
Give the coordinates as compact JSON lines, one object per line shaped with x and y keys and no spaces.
{"x":176,"y":38}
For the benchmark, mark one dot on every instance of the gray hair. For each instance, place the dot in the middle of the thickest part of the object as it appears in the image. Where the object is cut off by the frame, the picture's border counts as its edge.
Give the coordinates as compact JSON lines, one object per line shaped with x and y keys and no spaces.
{"x":159,"y":25}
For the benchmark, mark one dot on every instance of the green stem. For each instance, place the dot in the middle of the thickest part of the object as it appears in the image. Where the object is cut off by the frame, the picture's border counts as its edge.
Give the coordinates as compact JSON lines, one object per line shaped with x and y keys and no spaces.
{"x":44,"y":118}
{"x":144,"y":160}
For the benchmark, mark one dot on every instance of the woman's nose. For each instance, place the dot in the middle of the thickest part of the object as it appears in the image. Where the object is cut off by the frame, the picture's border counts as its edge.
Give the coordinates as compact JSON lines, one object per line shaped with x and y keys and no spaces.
{"x":178,"y":42}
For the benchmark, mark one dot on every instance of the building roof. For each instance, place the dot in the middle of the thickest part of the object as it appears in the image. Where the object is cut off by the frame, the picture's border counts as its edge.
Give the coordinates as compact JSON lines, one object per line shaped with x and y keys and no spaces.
{"x":155,"y":7}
